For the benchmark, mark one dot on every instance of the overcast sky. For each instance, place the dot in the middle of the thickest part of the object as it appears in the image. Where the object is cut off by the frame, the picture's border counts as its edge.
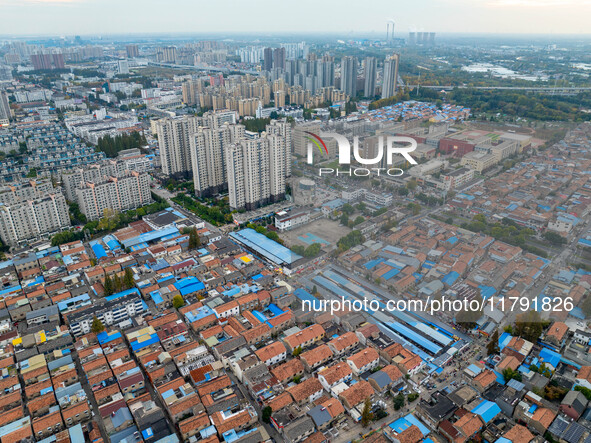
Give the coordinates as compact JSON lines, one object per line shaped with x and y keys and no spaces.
{"x":102,"y":17}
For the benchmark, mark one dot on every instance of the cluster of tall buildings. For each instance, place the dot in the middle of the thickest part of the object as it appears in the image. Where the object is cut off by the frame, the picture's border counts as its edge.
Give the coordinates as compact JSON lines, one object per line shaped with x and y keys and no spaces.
{"x":349,"y":80}
{"x":421,"y":38}
{"x":44,"y":60}
{"x":222,"y":156}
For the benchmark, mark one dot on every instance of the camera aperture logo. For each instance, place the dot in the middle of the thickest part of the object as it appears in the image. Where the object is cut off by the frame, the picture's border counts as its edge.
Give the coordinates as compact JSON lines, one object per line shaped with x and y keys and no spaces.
{"x":386,"y":148}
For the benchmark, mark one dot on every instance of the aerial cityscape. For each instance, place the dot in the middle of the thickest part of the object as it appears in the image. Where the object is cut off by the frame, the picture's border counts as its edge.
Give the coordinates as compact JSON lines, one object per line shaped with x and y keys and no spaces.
{"x":316,"y":222}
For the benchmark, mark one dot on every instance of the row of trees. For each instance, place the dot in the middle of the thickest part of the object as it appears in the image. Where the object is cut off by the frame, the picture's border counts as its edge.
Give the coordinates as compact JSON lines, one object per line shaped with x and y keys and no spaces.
{"x":350,"y":240}
{"x":118,"y":284}
{"x":112,"y":146}
{"x":111,"y":221}
{"x":215,"y":215}
{"x":310,"y":251}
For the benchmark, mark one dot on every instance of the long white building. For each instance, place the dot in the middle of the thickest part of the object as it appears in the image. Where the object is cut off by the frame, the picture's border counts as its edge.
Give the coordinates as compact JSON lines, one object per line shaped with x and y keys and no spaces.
{"x":128,"y":191}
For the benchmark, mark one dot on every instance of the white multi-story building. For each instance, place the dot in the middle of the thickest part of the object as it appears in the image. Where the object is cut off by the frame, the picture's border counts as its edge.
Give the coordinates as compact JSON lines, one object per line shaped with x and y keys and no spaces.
{"x":173,"y":140}
{"x":32,"y":210}
{"x":390,"y":78}
{"x":248,"y":170}
{"x":108,"y":311}
{"x":208,"y":146}
{"x":128,"y":191}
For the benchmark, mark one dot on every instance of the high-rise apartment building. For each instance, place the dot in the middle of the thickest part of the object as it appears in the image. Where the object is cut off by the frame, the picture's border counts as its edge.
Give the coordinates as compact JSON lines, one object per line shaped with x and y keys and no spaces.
{"x":249,"y":182}
{"x":191,"y":90}
{"x":283,"y":129}
{"x":257,"y":167}
{"x":128,"y":191}
{"x":31,"y":210}
{"x":279,"y":58}
{"x":390,"y":77}
{"x":208,"y":151}
{"x":370,"y":72}
{"x":166,"y":54}
{"x":268,"y":59}
{"x":349,"y":75}
{"x":4,"y":108}
{"x":132,"y":50}
{"x":173,"y":141}
{"x":47,"y":61}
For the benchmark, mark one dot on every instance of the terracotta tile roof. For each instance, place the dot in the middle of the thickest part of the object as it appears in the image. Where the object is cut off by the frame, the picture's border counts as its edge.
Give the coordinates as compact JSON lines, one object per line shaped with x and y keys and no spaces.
{"x":11,"y":415}
{"x":305,"y":389}
{"x":333,"y":406}
{"x":519,"y":434}
{"x":584,"y":373}
{"x":270,"y":351}
{"x":544,"y":416}
{"x":280,"y":402}
{"x":508,"y":362}
{"x":235,"y":421}
{"x":258,"y":331}
{"x":288,"y":370}
{"x":344,"y":341}
{"x":196,"y":422}
{"x":316,"y":355}
{"x":411,"y":434}
{"x":357,"y":393}
{"x":214,"y":385}
{"x":47,"y":421}
{"x":485,"y":378}
{"x":392,"y":371}
{"x":364,"y":357}
{"x":78,"y":408}
{"x":557,"y":331}
{"x":469,"y":424}
{"x":336,"y":372}
{"x":305,"y":335}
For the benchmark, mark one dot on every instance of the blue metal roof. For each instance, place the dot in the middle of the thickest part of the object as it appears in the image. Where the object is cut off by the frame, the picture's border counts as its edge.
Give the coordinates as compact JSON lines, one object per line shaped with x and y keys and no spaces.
{"x":268,"y":248}
{"x":414,"y":337}
{"x":487,"y":410}
{"x":150,"y":236}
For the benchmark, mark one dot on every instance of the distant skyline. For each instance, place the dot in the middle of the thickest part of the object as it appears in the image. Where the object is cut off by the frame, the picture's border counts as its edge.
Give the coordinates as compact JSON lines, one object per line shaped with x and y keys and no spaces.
{"x":104,"y":17}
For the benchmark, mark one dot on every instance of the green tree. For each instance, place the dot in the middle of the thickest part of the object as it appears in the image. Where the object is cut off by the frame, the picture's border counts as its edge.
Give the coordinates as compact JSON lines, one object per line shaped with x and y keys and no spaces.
{"x":366,"y":414}
{"x":267,"y":411}
{"x":509,"y":374}
{"x":117,"y":284}
{"x":297,"y":351}
{"x":128,"y":281}
{"x":108,"y":285}
{"x":32,"y":173}
{"x":178,"y":302}
{"x":493,"y":345}
{"x":194,"y":241}
{"x":529,"y":325}
{"x":399,"y":401}
{"x":97,"y":325}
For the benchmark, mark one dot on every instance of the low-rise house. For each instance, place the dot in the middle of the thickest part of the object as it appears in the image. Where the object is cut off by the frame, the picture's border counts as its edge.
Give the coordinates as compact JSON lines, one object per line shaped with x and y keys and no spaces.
{"x":306,"y":391}
{"x":343,"y":344}
{"x":356,"y":394}
{"x":364,"y":360}
{"x":304,"y":338}
{"x":316,"y":357}
{"x":272,"y":354}
{"x":338,"y":373}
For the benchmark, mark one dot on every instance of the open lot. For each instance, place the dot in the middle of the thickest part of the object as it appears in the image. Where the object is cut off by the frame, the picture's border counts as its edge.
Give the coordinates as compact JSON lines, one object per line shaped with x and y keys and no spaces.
{"x":325,"y":229}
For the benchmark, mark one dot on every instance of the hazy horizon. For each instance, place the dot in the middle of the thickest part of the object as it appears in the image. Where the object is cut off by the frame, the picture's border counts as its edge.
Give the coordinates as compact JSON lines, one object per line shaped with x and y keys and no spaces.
{"x":33,"y":18}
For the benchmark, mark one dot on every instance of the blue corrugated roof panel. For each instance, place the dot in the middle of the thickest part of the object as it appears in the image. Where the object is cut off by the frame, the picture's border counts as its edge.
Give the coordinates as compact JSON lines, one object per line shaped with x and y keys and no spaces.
{"x":415,"y":338}
{"x":487,"y":410}
{"x":268,"y":248}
